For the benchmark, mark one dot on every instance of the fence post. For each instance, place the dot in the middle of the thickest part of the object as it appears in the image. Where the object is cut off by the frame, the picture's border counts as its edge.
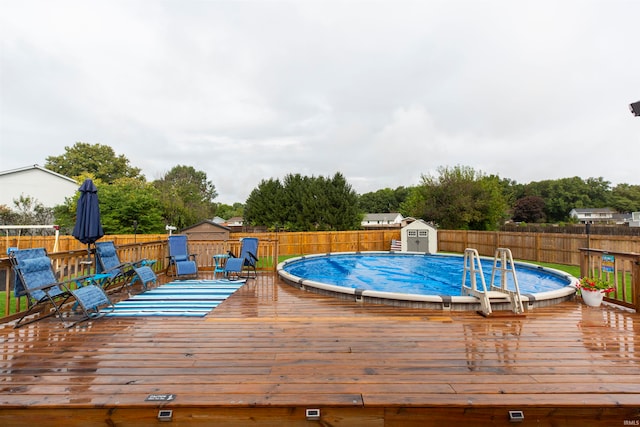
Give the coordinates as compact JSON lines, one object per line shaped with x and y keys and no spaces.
{"x":635,"y":284}
{"x":275,"y":253}
{"x":584,"y":262}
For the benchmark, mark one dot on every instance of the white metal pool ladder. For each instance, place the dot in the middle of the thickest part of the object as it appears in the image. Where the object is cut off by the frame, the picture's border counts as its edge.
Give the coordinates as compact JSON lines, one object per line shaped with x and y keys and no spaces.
{"x":502,"y":262}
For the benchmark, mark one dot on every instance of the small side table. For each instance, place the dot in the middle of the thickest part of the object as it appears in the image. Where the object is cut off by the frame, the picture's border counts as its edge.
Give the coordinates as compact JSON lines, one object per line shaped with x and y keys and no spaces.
{"x":98,"y":279}
{"x":220,"y":261}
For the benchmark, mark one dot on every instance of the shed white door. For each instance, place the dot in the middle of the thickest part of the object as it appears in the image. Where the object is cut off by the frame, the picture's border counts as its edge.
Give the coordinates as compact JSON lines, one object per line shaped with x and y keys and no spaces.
{"x":418,"y":240}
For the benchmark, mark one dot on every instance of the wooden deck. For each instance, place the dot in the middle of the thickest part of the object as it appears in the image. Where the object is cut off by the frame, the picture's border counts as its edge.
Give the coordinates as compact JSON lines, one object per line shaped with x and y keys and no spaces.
{"x":271,"y":351}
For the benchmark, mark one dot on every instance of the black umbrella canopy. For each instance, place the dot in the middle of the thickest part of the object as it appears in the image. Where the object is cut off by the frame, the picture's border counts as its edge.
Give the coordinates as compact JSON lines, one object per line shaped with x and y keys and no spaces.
{"x":88,"y":227}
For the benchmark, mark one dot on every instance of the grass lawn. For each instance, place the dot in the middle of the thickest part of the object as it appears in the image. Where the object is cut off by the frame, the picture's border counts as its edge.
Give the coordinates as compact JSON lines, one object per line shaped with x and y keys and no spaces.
{"x":573,"y":270}
{"x":12,"y":304}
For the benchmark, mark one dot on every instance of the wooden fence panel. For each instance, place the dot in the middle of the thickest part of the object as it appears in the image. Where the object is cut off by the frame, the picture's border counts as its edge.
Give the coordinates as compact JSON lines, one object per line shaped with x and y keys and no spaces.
{"x":560,"y":248}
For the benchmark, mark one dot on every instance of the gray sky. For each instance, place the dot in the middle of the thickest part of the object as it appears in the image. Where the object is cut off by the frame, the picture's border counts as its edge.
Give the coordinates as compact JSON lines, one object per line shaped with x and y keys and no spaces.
{"x":379,"y":91}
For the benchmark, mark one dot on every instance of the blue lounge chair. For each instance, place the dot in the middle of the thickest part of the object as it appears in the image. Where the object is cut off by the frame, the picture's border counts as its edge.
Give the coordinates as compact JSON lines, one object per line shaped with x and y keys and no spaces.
{"x":182,"y":262}
{"x":35,"y":279}
{"x":108,"y":263}
{"x":248,"y":258}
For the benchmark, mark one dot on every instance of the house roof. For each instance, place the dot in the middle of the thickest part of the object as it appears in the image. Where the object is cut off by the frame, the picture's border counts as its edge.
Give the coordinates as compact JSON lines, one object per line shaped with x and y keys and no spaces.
{"x":206,"y":221}
{"x":390,"y":216}
{"x":593,"y":210}
{"x":37,"y":167}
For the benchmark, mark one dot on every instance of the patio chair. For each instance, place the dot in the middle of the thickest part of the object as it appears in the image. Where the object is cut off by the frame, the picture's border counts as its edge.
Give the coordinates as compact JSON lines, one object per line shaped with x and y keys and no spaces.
{"x":113,"y":271}
{"x":35,"y":279}
{"x":182,"y":262}
{"x":248,"y":258}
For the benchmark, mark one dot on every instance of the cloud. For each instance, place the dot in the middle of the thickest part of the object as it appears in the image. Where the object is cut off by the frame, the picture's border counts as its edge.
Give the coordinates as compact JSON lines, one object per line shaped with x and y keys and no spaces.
{"x":379,"y":91}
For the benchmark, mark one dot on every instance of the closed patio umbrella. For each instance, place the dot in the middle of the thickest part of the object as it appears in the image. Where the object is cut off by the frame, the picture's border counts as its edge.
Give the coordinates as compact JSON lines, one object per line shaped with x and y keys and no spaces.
{"x":88,"y":227}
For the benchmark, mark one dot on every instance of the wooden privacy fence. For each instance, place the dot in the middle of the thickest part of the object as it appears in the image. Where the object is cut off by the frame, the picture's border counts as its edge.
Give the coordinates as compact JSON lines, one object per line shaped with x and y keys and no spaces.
{"x":559,"y":248}
{"x":304,"y":243}
{"x":539,"y":247}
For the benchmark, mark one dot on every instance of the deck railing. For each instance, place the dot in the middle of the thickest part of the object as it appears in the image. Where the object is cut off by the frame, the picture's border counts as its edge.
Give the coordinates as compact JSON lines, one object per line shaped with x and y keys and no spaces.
{"x":625,"y":274}
{"x":70,"y":264}
{"x":620,"y":269}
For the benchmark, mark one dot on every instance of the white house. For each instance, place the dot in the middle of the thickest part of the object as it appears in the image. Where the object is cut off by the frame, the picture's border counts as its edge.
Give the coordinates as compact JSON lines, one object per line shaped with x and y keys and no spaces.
{"x":236,"y":221}
{"x":419,"y":237}
{"x":593,"y":215}
{"x":45,"y":186}
{"x":391,"y":220}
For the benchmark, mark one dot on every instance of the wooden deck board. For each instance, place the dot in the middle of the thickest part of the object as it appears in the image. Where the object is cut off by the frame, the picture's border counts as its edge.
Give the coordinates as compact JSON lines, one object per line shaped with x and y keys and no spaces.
{"x":270,"y":351}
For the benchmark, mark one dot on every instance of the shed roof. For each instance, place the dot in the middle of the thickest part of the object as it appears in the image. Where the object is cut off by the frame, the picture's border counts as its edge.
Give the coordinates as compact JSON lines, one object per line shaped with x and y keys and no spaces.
{"x":206,"y":221}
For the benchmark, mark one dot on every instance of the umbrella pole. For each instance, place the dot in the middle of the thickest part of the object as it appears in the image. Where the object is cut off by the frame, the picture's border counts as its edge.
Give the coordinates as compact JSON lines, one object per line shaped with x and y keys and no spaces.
{"x":87,"y":263}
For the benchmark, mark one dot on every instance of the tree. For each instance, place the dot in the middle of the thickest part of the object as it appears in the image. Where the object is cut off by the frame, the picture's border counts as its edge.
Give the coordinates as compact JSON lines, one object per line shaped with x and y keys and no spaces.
{"x":264,"y":206}
{"x":121,"y":203}
{"x":302,"y":203}
{"x":97,"y":159}
{"x":131,"y":206}
{"x":562,"y":195}
{"x":458,"y":198}
{"x":529,"y":209}
{"x":27,"y":211}
{"x":186,"y":196}
{"x":228,"y":211}
{"x":7,"y":216}
{"x":342,"y":211}
{"x":625,"y":198}
{"x":383,"y":201}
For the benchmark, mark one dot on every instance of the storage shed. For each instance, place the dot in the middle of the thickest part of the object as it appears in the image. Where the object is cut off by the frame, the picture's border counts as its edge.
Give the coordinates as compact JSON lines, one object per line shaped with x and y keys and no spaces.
{"x":206,"y":230}
{"x":419,"y":237}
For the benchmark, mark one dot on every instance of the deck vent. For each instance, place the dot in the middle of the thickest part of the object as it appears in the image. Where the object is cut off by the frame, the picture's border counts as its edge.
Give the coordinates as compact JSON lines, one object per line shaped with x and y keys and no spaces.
{"x":358,"y":293}
{"x":516,"y":416}
{"x":165,"y":415}
{"x":313,"y":414}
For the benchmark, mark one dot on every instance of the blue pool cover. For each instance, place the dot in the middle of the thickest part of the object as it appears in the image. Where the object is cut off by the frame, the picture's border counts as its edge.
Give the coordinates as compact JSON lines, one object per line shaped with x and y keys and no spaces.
{"x":412,"y":274}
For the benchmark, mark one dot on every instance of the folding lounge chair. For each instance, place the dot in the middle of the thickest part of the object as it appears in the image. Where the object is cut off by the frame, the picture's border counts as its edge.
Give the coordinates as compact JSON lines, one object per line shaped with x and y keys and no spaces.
{"x":35,"y":279}
{"x":183,"y":263}
{"x":248,"y":258}
{"x":108,"y":262}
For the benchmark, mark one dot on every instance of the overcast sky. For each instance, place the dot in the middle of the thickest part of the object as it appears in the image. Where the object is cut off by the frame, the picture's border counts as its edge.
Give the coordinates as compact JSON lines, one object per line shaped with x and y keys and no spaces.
{"x":379,"y":91}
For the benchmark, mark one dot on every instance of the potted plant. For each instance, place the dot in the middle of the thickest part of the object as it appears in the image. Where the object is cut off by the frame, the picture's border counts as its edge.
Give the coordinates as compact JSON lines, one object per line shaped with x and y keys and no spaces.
{"x":593,"y":290}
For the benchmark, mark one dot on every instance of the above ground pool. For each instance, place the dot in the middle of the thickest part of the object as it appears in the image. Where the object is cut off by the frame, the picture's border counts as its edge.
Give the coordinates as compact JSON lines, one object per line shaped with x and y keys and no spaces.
{"x":416,"y":279}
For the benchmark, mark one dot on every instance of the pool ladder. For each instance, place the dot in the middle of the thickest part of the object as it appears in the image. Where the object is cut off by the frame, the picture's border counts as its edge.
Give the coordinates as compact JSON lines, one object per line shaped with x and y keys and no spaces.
{"x":502,"y":264}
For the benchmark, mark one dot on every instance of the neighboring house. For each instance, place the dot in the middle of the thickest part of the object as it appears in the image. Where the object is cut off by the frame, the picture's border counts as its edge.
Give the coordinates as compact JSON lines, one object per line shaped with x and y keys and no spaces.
{"x":594,"y":215}
{"x":218,"y":220}
{"x":206,"y":230}
{"x":622,"y":219}
{"x":45,"y":186}
{"x":235,"y":223}
{"x":635,"y":220}
{"x":382,"y":220}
